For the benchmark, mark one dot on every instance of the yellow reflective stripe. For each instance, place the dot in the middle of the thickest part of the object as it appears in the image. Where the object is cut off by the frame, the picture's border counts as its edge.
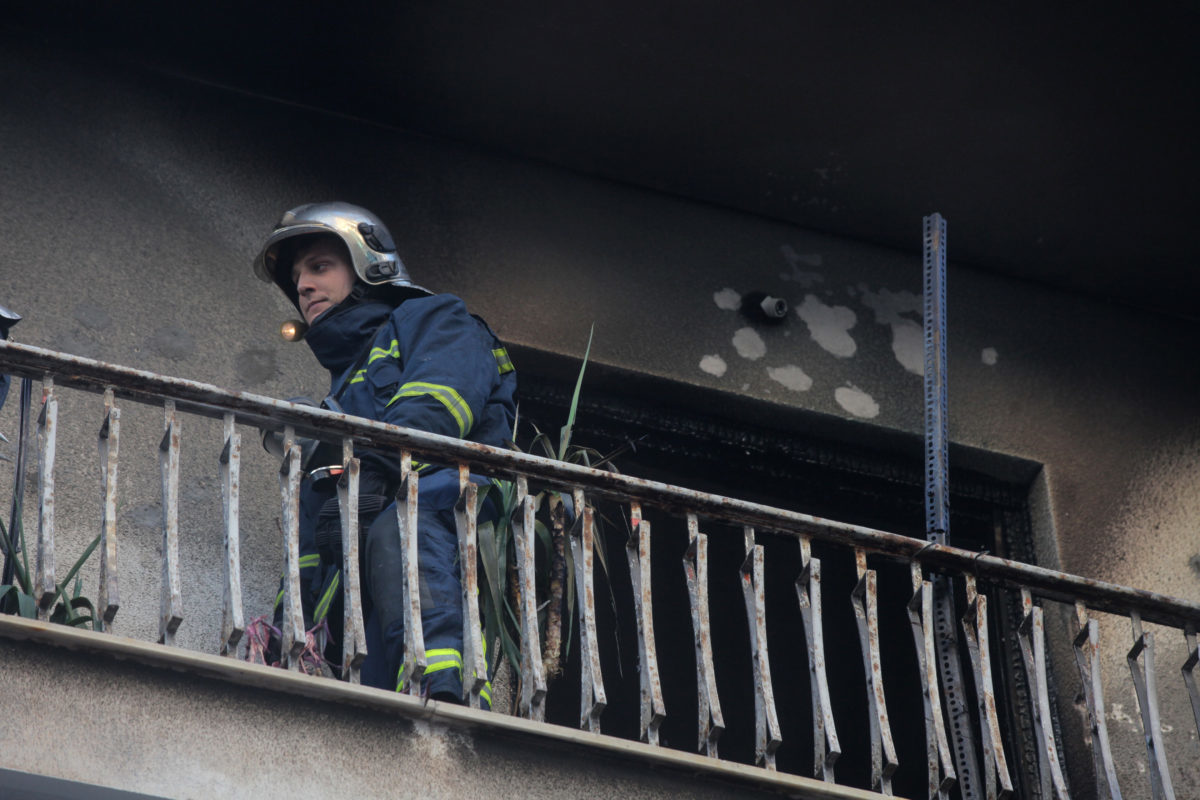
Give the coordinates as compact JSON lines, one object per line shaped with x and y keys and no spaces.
{"x":447,"y":396}
{"x":379,"y":352}
{"x":485,"y":694}
{"x":443,"y":658}
{"x":327,"y":598}
{"x":310,"y":560}
{"x":359,"y":376}
{"x":503,"y":362}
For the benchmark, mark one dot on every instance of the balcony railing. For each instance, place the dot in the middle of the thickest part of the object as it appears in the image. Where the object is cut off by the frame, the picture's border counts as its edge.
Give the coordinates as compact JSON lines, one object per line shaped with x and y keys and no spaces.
{"x":927,"y":564}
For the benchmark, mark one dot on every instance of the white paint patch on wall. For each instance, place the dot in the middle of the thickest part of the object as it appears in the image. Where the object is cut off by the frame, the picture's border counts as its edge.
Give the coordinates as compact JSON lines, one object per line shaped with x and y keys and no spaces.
{"x":908,"y":345}
{"x":795,"y":272}
{"x":902,"y":312}
{"x":713,"y":365}
{"x":727,"y":299}
{"x":990,"y":356}
{"x":791,"y":377}
{"x":856,"y":401}
{"x":749,"y":344}
{"x":829,"y":325}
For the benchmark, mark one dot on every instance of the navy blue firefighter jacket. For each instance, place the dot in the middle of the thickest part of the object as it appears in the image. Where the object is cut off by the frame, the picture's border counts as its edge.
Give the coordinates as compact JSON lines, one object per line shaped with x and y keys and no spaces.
{"x":431,"y":365}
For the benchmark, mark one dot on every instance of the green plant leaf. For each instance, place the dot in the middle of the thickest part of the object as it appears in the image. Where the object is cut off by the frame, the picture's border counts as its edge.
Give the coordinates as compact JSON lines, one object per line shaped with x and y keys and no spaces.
{"x":25,"y":606}
{"x":564,"y":439}
{"x":20,"y":572}
{"x":79,"y":562}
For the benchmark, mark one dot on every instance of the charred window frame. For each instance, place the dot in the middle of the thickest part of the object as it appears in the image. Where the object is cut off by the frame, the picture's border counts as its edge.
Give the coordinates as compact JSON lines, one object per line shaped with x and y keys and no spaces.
{"x":801,"y":461}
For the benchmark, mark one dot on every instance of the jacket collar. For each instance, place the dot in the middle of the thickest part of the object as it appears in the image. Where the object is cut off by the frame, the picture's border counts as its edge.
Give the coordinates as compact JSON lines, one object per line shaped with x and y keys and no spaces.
{"x":338,"y":336}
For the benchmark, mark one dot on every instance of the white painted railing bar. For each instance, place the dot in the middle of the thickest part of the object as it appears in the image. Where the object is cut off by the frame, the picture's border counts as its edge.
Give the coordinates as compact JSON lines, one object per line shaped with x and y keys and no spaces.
{"x":864,"y":598}
{"x":1145,"y":684}
{"x":407,"y":514}
{"x":171,"y":597}
{"x":1188,"y":670}
{"x":939,"y":763}
{"x":1087,"y":656}
{"x":637,"y":551}
{"x":592,"y":699}
{"x":708,"y":702}
{"x":1032,"y":636}
{"x":233,"y":623}
{"x":293,"y":635}
{"x":997,"y":780}
{"x":532,"y":704}
{"x":108,"y":443}
{"x":354,"y":639}
{"x":44,"y":581}
{"x":826,"y":748}
{"x":767,"y":733}
{"x":466,"y":519}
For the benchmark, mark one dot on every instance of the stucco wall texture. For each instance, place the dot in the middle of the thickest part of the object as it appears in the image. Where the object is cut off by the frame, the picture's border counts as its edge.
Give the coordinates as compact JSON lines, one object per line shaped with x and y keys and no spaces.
{"x":132,"y":204}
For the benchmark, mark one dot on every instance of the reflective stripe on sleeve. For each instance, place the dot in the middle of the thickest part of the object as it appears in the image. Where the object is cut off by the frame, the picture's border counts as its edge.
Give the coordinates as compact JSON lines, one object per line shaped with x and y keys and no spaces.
{"x":378,"y":352}
{"x":503,"y":362}
{"x":447,"y":396}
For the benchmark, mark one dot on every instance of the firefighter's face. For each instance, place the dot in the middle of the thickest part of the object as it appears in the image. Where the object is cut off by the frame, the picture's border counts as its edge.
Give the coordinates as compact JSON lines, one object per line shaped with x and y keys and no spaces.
{"x":322,"y":276}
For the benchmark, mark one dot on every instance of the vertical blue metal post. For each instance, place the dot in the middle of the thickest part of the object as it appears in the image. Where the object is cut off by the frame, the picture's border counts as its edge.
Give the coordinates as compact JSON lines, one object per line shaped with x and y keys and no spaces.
{"x":937,"y":506}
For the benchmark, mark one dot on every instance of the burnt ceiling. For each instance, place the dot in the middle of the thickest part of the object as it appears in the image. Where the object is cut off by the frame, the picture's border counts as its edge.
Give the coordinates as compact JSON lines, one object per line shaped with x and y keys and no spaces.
{"x":1059,"y":144}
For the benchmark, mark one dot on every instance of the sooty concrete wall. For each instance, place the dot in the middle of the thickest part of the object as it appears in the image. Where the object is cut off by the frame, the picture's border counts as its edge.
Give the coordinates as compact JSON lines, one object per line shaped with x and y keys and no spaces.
{"x":133,"y":203}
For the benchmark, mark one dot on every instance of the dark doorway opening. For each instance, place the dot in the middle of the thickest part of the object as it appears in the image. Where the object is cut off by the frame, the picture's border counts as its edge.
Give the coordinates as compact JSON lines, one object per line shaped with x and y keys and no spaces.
{"x":826,"y":468}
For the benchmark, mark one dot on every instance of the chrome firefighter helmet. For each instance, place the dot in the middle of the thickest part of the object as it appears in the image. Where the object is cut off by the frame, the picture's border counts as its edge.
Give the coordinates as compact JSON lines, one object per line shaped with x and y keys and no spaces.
{"x":372,"y":250}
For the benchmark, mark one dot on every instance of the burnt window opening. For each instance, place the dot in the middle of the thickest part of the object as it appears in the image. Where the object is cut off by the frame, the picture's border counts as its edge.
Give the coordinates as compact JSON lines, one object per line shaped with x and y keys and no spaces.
{"x":741,"y":452}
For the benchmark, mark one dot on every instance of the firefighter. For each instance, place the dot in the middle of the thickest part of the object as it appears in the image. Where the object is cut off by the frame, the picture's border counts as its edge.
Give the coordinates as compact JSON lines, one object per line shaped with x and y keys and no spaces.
{"x":399,"y":354}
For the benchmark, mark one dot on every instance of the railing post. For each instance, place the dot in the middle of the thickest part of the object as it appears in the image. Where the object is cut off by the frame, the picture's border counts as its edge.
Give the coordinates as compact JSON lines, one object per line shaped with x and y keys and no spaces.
{"x":475,"y":668}
{"x":695,"y":565}
{"x":1145,"y":683}
{"x":233,"y":623}
{"x":592,"y":699}
{"x":637,"y":551}
{"x":407,"y":514}
{"x":44,"y":581}
{"x":975,"y":631}
{"x":1087,"y":657}
{"x":767,"y":735}
{"x":171,"y":598}
{"x":294,"y":636}
{"x":1189,"y":671}
{"x":1032,"y":635}
{"x":108,"y":442}
{"x":864,"y":600}
{"x":939,"y":762}
{"x":532,"y":703}
{"x":826,"y":748}
{"x":354,"y":640}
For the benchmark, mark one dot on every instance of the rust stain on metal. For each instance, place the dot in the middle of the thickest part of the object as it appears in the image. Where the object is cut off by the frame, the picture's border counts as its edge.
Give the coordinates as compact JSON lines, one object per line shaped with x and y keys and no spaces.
{"x":413,"y":669}
{"x":108,"y":441}
{"x":592,"y":697}
{"x":466,"y":522}
{"x":44,"y":576}
{"x":637,"y":551}
{"x":232,"y":618}
{"x":1087,"y":658}
{"x":695,"y":563}
{"x":354,"y":639}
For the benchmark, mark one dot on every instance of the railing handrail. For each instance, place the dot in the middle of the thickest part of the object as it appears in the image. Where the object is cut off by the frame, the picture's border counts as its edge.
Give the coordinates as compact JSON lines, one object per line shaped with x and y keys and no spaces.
{"x":205,"y":399}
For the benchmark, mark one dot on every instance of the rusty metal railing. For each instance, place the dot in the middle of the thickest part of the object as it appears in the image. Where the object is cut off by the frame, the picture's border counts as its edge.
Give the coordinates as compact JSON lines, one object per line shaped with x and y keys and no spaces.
{"x":925,"y":561}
